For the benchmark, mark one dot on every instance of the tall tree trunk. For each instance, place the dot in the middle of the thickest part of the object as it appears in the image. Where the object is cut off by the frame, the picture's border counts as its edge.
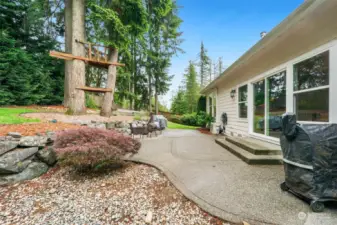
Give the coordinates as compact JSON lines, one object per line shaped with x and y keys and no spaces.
{"x":130,"y":98}
{"x":111,"y":82}
{"x":68,"y":43}
{"x":150,"y":93}
{"x":156,"y":101}
{"x":134,"y":80}
{"x":77,"y":79}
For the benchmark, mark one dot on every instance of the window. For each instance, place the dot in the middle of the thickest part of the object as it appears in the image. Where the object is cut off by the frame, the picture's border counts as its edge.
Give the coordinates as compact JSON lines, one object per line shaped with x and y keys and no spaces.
{"x":311,"y":88}
{"x":259,"y":110}
{"x":269,"y":104}
{"x":313,"y":105}
{"x":276,"y":103}
{"x":312,"y":73}
{"x":212,"y":105}
{"x":242,"y":101}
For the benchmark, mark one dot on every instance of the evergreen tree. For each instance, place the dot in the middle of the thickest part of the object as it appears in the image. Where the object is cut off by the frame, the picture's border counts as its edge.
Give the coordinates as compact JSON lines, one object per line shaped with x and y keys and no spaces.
{"x":210,"y":70}
{"x":145,"y":32}
{"x":204,"y":65}
{"x":116,"y":24}
{"x":179,"y":105}
{"x":192,"y":88}
{"x":27,"y":74}
{"x":163,"y":41}
{"x":220,"y":65}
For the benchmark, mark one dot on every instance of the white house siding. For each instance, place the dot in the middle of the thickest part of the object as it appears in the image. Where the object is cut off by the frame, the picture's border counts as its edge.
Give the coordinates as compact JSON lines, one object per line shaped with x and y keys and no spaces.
{"x":240,"y":127}
{"x":235,"y":125}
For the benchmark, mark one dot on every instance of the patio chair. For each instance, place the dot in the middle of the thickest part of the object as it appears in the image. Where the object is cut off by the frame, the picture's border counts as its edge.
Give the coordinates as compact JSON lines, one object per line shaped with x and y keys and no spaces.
{"x":136,"y":130}
{"x":155,"y":124}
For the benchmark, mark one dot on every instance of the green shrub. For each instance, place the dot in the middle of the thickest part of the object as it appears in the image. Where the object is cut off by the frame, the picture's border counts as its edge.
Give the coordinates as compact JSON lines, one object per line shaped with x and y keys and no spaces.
{"x":201,"y":119}
{"x":137,"y":117}
{"x":175,"y":119}
{"x":208,"y":120}
{"x":189,"y":119}
{"x":90,"y":102}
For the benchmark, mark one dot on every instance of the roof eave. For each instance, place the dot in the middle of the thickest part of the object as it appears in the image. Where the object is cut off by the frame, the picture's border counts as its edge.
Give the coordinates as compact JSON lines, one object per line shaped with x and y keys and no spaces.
{"x":261,"y":43}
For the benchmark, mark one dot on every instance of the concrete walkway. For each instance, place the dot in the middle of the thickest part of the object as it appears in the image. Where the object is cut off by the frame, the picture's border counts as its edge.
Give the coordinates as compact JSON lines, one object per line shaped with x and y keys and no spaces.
{"x":225,"y":186}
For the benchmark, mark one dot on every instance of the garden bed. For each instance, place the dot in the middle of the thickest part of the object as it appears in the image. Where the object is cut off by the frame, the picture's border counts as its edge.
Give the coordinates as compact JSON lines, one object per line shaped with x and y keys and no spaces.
{"x":129,"y":195}
{"x":205,"y":131}
{"x":33,"y":128}
{"x":61,"y":117}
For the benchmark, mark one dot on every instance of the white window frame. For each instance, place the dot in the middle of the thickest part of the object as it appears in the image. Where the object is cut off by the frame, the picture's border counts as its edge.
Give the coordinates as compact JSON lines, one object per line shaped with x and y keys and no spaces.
{"x":288,"y":66}
{"x":214,"y":102}
{"x":212,"y":105}
{"x":312,"y":89}
{"x":238,"y":101}
{"x":264,"y":78}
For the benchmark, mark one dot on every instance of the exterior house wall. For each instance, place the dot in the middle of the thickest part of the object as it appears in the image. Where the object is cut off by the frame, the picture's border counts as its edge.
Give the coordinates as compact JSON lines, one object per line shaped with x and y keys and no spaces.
{"x":226,"y":104}
{"x":242,"y":127}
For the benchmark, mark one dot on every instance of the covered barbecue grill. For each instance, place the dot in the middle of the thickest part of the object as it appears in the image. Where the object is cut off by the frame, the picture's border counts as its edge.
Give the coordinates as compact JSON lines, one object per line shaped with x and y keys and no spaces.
{"x":310,"y":161}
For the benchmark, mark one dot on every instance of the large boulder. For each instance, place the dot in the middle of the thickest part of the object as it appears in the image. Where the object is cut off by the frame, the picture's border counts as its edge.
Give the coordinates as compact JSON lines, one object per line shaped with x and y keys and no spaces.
{"x":110,"y":125}
{"x":7,"y":144}
{"x":14,"y":134}
{"x":35,"y":169}
{"x":16,"y":160}
{"x":33,"y":141}
{"x":97,"y":125}
{"x":47,"y":155}
{"x":51,"y":137}
{"x":120,"y":124}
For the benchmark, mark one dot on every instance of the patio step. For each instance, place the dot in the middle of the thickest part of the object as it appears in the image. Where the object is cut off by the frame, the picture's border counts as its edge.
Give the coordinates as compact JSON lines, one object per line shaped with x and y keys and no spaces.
{"x":247,"y":156}
{"x":255,"y":146}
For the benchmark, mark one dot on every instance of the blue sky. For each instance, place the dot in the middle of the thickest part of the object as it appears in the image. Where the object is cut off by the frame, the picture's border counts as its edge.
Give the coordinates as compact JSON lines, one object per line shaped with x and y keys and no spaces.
{"x":228,"y":28}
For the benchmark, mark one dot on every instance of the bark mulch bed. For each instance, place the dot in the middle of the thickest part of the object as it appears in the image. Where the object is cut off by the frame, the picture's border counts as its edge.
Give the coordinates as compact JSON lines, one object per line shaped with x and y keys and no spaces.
{"x":29,"y":129}
{"x":48,"y":108}
{"x":204,"y":131}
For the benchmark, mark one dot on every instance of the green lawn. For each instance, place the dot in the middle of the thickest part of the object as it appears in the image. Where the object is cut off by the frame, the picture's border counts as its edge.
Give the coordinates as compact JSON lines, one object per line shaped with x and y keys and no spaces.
{"x":11,"y":116}
{"x":171,"y":125}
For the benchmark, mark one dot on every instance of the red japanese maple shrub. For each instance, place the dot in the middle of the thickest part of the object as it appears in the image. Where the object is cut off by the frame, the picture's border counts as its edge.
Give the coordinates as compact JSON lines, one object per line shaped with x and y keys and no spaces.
{"x":91,"y":146}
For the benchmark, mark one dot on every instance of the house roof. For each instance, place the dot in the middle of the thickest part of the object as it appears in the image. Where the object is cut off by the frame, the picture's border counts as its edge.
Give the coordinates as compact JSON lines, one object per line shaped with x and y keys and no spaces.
{"x":309,"y":26}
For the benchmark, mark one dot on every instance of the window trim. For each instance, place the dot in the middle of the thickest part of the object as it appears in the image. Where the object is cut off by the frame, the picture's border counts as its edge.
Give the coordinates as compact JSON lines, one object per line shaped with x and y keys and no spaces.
{"x":311,"y":89}
{"x":288,"y":65}
{"x":265,"y":80}
{"x":293,"y":64}
{"x":239,"y":102}
{"x":212,"y":101}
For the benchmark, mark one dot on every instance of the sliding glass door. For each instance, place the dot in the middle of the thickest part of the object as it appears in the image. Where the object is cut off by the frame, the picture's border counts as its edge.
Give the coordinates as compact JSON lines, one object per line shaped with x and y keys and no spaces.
{"x":276,"y":103}
{"x":269,"y":104}
{"x":259,"y":110}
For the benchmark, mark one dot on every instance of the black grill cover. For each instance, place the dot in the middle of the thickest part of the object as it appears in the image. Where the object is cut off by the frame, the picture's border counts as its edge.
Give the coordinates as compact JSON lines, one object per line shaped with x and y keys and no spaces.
{"x":310,"y":158}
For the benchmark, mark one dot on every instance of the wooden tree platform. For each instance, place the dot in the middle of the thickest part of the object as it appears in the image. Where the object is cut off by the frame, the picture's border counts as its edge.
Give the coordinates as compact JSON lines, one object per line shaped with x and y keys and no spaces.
{"x":91,"y":61}
{"x":95,"y":89}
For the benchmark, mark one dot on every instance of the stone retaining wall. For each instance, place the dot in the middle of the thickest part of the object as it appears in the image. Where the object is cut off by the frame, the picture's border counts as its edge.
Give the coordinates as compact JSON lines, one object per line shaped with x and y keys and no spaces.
{"x":120,"y":126}
{"x":25,"y":157}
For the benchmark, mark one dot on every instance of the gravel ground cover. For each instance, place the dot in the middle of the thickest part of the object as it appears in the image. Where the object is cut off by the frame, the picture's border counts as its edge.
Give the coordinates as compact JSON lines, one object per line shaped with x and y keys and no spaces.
{"x":133,"y":194}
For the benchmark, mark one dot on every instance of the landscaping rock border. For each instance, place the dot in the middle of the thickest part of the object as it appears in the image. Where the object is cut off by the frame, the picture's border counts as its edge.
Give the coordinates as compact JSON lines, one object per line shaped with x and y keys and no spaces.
{"x":25,"y":157}
{"x":119,"y":126}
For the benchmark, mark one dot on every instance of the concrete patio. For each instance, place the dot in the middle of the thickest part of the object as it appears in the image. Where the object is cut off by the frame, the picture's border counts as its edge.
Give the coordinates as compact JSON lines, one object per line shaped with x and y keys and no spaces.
{"x":225,"y":186}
